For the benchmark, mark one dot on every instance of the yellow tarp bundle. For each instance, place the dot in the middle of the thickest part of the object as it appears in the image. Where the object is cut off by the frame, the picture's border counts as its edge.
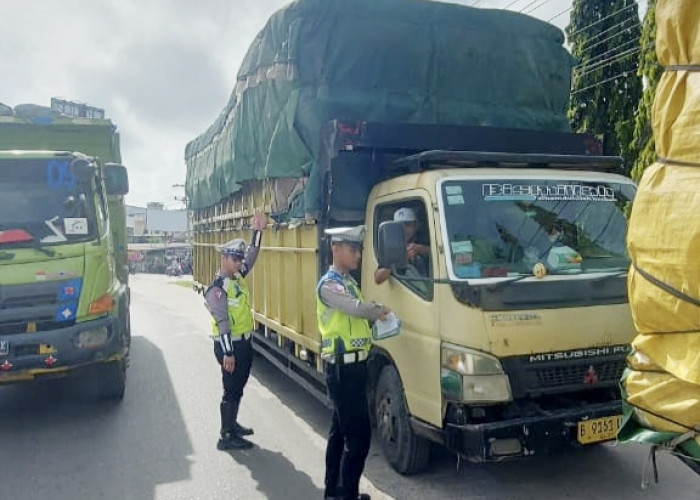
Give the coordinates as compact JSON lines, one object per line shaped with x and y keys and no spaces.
{"x":662,"y":383}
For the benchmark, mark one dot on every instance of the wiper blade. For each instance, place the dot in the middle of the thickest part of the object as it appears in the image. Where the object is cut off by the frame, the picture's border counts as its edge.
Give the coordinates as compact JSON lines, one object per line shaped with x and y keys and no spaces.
{"x":46,"y":251}
{"x":504,"y":283}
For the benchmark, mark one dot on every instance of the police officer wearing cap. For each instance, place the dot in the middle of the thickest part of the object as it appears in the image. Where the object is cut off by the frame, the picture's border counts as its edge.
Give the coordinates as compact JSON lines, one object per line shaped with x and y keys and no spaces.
{"x":343,"y":320}
{"x":228,"y":301}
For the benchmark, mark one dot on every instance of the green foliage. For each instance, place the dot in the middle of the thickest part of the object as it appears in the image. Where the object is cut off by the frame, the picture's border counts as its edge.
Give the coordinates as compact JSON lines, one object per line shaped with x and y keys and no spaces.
{"x":650,"y":70}
{"x":605,"y":36}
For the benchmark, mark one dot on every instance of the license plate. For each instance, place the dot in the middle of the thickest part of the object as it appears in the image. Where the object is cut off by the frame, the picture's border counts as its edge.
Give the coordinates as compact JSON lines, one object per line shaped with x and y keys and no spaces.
{"x":598,"y":429}
{"x":4,"y":347}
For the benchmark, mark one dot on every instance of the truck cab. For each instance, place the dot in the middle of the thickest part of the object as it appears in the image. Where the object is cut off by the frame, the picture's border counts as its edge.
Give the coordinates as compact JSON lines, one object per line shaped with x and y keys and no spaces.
{"x":64,"y":298}
{"x":514,"y":335}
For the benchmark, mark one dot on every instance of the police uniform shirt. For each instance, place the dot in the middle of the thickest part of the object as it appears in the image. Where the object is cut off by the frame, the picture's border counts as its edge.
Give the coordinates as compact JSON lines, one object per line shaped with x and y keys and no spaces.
{"x":216,"y":300}
{"x":336,"y":296}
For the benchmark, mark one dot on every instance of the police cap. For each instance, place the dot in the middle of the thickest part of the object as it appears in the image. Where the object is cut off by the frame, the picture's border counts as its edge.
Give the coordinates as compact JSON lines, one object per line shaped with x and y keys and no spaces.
{"x":234,"y":248}
{"x":353,"y":236}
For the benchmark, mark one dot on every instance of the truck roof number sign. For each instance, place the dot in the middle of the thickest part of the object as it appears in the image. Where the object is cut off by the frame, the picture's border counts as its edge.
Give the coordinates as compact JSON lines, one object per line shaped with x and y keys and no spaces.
{"x":59,"y":174}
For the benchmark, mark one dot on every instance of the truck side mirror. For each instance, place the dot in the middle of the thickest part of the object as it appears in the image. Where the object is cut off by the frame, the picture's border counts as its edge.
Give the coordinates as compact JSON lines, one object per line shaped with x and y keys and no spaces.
{"x":391,"y":245}
{"x":116,"y":179}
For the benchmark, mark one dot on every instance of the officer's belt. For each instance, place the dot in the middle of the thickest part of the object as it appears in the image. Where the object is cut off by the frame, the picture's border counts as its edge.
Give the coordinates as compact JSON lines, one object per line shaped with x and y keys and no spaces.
{"x":347,"y":358}
{"x":245,"y":336}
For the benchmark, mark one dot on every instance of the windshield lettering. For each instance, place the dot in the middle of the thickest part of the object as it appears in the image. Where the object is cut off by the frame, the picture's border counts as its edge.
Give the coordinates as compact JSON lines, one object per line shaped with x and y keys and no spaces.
{"x":547,"y":192}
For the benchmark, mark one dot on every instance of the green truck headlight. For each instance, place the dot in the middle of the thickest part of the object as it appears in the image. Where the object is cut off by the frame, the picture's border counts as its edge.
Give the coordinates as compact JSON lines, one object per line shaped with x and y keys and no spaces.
{"x":89,"y":339}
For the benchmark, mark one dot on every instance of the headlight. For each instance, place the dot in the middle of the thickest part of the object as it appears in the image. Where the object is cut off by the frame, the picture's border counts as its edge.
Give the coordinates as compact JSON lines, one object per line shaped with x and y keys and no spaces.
{"x":472,"y":377}
{"x":468,"y":362}
{"x":89,"y":339}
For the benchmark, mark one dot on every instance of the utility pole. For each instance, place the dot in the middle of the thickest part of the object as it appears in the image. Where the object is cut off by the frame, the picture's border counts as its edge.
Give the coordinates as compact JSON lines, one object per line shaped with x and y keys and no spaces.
{"x":185,"y":201}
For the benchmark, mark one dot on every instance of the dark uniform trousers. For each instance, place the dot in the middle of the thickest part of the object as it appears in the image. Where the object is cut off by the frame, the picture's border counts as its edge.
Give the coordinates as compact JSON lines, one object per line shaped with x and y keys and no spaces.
{"x":235,"y":382}
{"x":351,"y":430}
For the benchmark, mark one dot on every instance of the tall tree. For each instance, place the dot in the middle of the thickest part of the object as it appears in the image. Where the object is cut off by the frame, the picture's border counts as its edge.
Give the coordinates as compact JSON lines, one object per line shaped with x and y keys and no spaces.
{"x":604,"y":36}
{"x":650,"y":71}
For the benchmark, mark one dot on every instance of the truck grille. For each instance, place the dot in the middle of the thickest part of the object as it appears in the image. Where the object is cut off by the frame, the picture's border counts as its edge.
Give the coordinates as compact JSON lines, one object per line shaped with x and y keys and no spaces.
{"x":35,"y":307}
{"x":566,"y":372}
{"x":580,"y":374}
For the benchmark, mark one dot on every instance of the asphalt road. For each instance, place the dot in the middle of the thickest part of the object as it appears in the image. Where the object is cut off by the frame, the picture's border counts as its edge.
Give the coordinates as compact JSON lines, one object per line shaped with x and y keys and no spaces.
{"x":57,"y":443}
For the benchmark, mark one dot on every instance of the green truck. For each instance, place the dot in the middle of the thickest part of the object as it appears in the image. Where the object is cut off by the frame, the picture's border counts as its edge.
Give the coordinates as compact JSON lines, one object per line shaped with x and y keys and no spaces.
{"x":64,"y":294}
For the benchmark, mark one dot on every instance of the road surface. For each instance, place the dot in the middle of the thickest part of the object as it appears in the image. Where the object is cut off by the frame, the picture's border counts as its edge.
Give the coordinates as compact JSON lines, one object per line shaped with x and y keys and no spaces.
{"x":56,"y":443}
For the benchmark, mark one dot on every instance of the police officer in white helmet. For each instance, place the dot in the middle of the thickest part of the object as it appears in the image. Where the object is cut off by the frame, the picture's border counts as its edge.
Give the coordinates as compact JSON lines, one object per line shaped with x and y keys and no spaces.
{"x":343,"y":320}
{"x":228,"y":301}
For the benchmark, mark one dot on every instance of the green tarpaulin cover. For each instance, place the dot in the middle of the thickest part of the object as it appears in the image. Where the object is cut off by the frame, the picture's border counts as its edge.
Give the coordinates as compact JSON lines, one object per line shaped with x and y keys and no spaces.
{"x":409,"y":61}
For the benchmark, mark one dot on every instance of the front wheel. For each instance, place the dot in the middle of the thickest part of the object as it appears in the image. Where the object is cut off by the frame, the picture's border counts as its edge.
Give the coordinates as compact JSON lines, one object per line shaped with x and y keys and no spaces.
{"x":111,"y":381}
{"x":404,"y":450}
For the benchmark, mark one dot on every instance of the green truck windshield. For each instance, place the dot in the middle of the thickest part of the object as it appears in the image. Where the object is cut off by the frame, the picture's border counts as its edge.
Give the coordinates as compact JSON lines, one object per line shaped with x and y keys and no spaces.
{"x":499,"y":228}
{"x":43,"y":202}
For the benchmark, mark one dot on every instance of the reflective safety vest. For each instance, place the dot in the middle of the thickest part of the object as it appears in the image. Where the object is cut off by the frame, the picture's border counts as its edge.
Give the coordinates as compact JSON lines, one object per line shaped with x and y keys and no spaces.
{"x":340,"y":332}
{"x":239,"y":316}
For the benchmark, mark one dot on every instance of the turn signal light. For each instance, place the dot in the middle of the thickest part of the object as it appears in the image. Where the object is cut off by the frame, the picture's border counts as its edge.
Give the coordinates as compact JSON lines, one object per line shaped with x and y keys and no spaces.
{"x":102,"y":305}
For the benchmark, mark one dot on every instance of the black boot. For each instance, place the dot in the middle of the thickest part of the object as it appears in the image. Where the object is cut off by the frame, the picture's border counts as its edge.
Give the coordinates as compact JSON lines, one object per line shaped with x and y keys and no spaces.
{"x":239,"y":430}
{"x":228,"y":440}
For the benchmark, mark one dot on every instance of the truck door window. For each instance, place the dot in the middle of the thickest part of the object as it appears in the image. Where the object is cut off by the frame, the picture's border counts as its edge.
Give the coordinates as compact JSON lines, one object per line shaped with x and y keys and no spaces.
{"x":417,"y":275}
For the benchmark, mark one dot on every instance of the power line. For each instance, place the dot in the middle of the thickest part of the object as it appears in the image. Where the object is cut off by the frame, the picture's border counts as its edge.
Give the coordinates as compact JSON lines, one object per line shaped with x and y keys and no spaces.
{"x":623,"y":74}
{"x":613,"y":60}
{"x":560,"y":14}
{"x":633,"y":4}
{"x":538,"y":6}
{"x":511,"y":4}
{"x":528,"y":5}
{"x":604,"y":64}
{"x":615,"y":56}
{"x":610,"y":53}
{"x":607,"y":30}
{"x":607,"y":62}
{"x":599,"y":42}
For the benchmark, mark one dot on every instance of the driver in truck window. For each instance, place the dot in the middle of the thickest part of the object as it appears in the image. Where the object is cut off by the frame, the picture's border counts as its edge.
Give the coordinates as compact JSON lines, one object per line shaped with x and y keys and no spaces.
{"x":417,"y":254}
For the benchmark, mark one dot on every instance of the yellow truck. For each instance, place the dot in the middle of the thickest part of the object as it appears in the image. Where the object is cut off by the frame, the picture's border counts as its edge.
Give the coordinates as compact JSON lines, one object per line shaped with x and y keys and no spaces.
{"x":516,"y":326}
{"x":492,"y":361}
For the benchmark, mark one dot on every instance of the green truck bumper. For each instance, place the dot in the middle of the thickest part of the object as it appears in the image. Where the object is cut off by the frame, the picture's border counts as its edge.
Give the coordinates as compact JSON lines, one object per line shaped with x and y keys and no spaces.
{"x":56,"y":352}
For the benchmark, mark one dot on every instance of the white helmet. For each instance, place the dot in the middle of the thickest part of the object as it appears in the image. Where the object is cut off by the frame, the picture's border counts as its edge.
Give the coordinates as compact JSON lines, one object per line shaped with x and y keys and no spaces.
{"x":405,"y":214}
{"x":234,"y":248}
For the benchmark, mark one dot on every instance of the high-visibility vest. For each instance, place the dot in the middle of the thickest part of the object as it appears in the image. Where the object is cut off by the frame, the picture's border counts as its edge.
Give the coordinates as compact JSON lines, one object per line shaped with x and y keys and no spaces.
{"x":341,"y":332}
{"x":239,"y":315}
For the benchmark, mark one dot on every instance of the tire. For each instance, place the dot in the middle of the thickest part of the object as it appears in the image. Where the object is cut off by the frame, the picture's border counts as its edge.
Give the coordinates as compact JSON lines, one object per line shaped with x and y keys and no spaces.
{"x":127,"y":336}
{"x":111,"y":381}
{"x":404,"y":450}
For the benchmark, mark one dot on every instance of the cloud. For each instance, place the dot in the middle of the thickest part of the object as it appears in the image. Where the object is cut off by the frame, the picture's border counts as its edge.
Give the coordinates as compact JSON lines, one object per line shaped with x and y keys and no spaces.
{"x":162,"y":69}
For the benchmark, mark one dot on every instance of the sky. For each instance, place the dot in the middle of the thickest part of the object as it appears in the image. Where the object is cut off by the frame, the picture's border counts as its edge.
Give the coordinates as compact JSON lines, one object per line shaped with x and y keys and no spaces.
{"x":161,"y":69}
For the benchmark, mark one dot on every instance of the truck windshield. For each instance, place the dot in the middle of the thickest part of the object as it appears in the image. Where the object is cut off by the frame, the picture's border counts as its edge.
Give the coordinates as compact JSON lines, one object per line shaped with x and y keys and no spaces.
{"x":517,"y":227}
{"x":43,"y":202}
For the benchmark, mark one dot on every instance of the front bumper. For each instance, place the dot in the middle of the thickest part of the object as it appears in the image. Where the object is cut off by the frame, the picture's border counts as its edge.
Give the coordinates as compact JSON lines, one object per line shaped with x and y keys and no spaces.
{"x":538,"y":435}
{"x":55,"y":352}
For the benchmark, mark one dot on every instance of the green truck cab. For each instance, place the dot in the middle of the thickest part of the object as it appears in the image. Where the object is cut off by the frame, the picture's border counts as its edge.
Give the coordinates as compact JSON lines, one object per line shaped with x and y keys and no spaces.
{"x":64,"y":294}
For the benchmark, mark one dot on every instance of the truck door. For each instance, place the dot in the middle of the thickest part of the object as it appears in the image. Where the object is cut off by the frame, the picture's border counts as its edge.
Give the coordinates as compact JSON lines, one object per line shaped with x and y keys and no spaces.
{"x":409,"y":293}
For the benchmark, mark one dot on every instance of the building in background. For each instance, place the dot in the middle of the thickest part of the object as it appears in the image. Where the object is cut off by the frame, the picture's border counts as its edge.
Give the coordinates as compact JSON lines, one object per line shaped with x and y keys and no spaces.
{"x":158,"y":239}
{"x":135,"y":223}
{"x":155,"y":224}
